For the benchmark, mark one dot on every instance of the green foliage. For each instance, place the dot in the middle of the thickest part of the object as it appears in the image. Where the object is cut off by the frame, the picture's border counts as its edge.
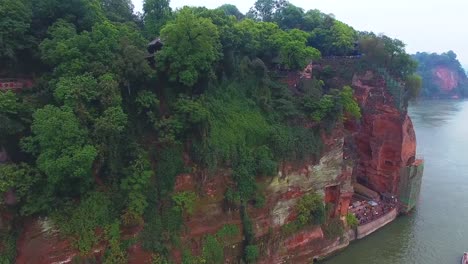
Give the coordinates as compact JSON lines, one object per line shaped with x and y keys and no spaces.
{"x":430,"y":62}
{"x":106,"y":49}
{"x":80,"y":222}
{"x":146,"y":100}
{"x":413,"y":85}
{"x":136,"y":184}
{"x":293,"y":52}
{"x":333,"y":229}
{"x":259,"y":200}
{"x":350,"y":105}
{"x":15,"y":23}
{"x":103,"y":117}
{"x":231,"y":10}
{"x":251,"y":253}
{"x":232,"y":196}
{"x":118,"y":10}
{"x":191,"y":47}
{"x":27,"y":183}
{"x":234,"y":122}
{"x":291,"y":228}
{"x":322,"y":108}
{"x":155,"y":14}
{"x":185,"y":201}
{"x":169,"y":165}
{"x":330,"y":36}
{"x":161,"y":229}
{"x":310,"y":209}
{"x":384,"y":51}
{"x":227,"y":232}
{"x":243,"y":174}
{"x":352,"y":220}
{"x":115,"y":254}
{"x":212,"y":250}
{"x":295,"y":142}
{"x":265,"y":9}
{"x":290,"y":17}
{"x":7,"y":247}
{"x":63,"y":153}
{"x":11,"y":115}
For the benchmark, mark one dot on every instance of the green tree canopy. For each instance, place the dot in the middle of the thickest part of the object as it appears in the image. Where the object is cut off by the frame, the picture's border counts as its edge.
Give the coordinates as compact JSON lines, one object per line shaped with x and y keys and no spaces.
{"x":118,"y":10}
{"x":191,"y":47}
{"x":155,"y":14}
{"x":231,"y":10}
{"x":63,"y":152}
{"x":15,"y":23}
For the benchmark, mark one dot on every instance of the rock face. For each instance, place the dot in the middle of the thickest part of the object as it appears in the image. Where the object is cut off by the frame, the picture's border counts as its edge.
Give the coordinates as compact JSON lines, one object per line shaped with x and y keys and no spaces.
{"x":446,"y":79}
{"x":372,"y":150}
{"x":330,"y":177}
{"x":384,"y":139}
{"x":40,"y":243}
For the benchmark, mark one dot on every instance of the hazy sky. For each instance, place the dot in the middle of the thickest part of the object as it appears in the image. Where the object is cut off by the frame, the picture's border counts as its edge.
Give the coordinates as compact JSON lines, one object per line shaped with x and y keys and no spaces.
{"x":424,"y":25}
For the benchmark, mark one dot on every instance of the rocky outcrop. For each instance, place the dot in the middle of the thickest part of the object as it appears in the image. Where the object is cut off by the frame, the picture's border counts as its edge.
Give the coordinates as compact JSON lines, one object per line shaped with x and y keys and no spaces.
{"x":446,"y":79}
{"x":329,"y":176}
{"x":384,"y":140}
{"x":372,"y":150}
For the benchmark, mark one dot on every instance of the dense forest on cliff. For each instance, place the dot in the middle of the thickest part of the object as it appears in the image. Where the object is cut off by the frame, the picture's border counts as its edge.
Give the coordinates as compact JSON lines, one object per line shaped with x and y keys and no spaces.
{"x":442,"y":74}
{"x":97,"y":142}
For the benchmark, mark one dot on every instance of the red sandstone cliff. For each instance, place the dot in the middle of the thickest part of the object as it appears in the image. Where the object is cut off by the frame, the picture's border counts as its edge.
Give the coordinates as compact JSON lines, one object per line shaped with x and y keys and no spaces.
{"x":384,"y":139}
{"x":446,"y":79}
{"x":380,"y":144}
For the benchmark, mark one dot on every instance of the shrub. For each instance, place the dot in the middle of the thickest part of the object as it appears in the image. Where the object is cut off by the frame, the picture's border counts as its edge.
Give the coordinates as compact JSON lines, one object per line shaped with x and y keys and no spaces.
{"x":213,"y":251}
{"x":266,"y":166}
{"x":81,"y":222}
{"x":310,"y":209}
{"x":349,"y":104}
{"x":352,"y":220}
{"x":333,"y":229}
{"x":136,"y":184}
{"x":7,"y":247}
{"x":251,"y":253}
{"x":185,"y":201}
{"x":227,"y":232}
{"x":169,"y":165}
{"x":114,"y":254}
{"x":260,"y":200}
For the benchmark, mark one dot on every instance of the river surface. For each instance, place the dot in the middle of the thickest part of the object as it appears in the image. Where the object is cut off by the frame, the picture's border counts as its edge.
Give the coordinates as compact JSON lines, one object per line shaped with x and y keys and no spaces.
{"x":436,"y":232}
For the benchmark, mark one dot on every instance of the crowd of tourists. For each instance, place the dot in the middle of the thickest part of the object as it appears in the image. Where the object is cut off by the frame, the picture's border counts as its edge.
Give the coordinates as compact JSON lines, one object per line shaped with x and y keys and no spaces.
{"x":368,"y":211}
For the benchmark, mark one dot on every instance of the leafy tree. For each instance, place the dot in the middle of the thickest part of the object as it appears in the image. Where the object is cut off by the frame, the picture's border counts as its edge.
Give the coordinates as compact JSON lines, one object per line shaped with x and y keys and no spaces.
{"x":118,"y":10}
{"x":428,"y":62}
{"x":185,"y":201}
{"x":293,"y":52}
{"x":191,"y":47}
{"x":352,"y":221}
{"x":62,"y":149}
{"x":350,"y":105}
{"x":155,"y":14}
{"x":12,"y":115}
{"x":213,"y":251}
{"x":81,"y":221}
{"x":15,"y":23}
{"x":231,"y":10}
{"x":265,"y":9}
{"x":136,"y":185}
{"x":413,"y":85}
{"x":290,"y":17}
{"x":336,"y":39}
{"x":311,"y":210}
{"x":386,"y":52}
